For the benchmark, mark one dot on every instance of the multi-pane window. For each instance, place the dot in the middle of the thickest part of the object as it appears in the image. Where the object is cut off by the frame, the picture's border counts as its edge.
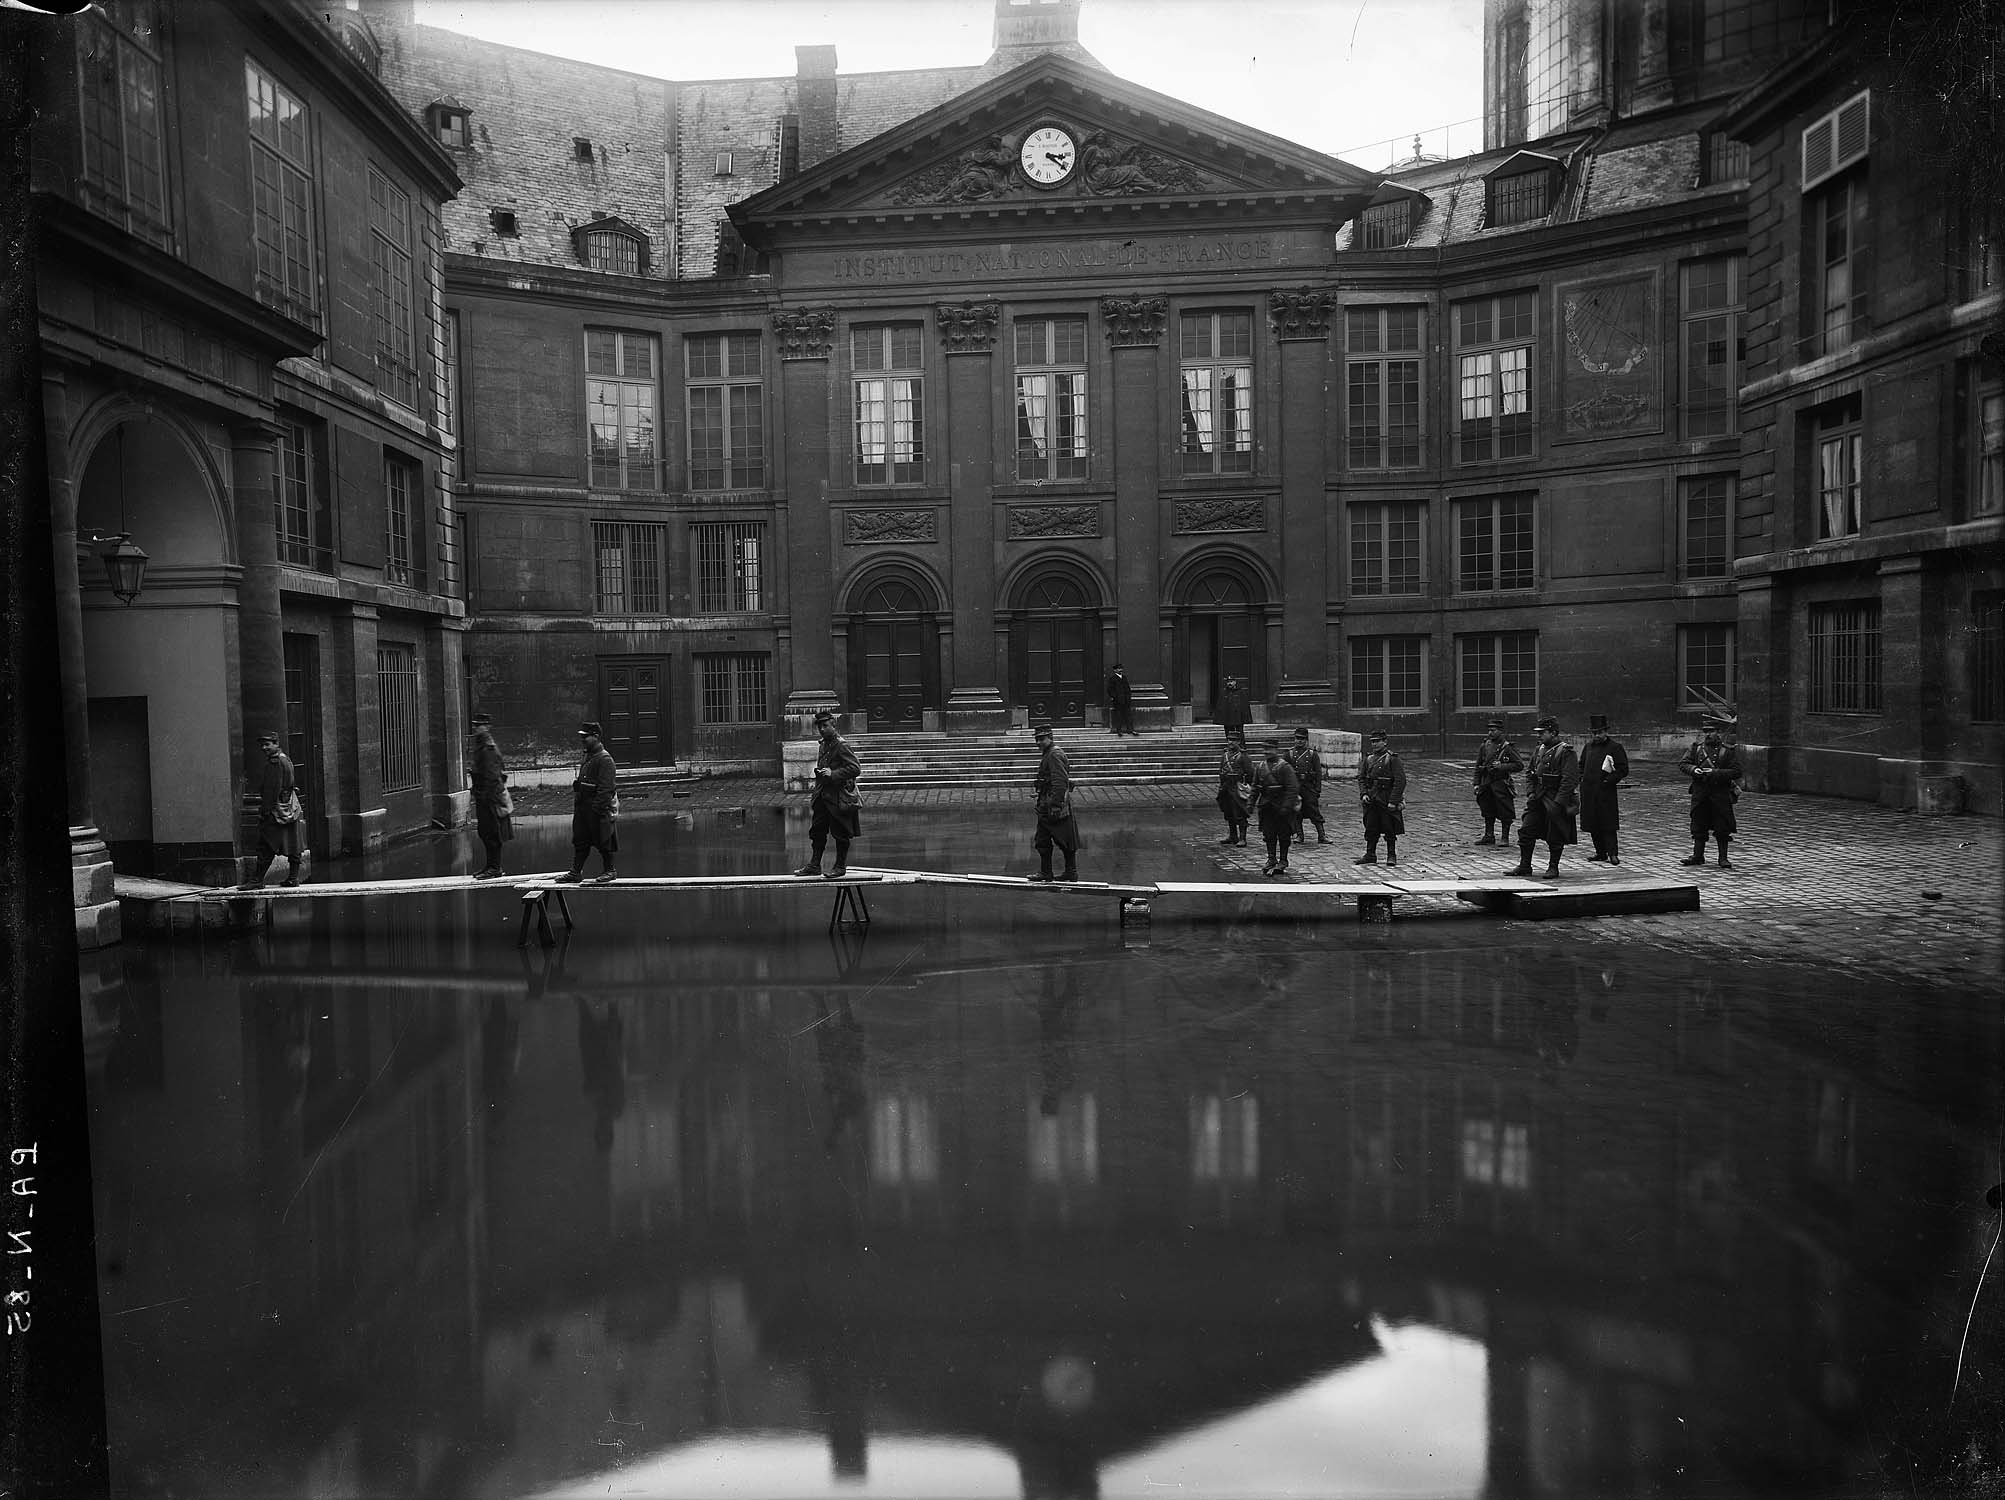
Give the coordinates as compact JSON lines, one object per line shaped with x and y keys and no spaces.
{"x":1708,"y":523}
{"x":1840,"y":443}
{"x":630,"y":567}
{"x":118,"y":75}
{"x":1386,"y":225}
{"x":1550,"y":64}
{"x":1982,"y":269}
{"x":1987,"y":494}
{"x":1386,"y":547}
{"x":620,"y":408}
{"x":1051,"y":398}
{"x":1494,"y":544}
{"x":1382,"y":386}
{"x":1733,"y":30}
{"x":397,"y":701}
{"x":734,"y":689}
{"x":1389,"y":671}
{"x":1713,"y":342}
{"x":390,"y":295}
{"x":400,"y":501}
{"x":1497,"y":1154}
{"x":1987,"y":657}
{"x":728,"y":566}
{"x":727,"y":411}
{"x":1845,"y":657}
{"x":1726,"y":158}
{"x":1493,"y":342}
{"x":281,"y":196}
{"x":609,"y":250}
{"x":1836,"y":214}
{"x":1705,"y":665}
{"x":450,"y":415}
{"x":1520,"y":198}
{"x":890,"y":385}
{"x":1216,"y":350}
{"x":1499,"y":669}
{"x":303,"y":521}
{"x":451,"y":128}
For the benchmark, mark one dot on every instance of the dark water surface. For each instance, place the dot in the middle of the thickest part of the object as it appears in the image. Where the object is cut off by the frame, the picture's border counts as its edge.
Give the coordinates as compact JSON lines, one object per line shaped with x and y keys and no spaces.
{"x":1003,"y":1200}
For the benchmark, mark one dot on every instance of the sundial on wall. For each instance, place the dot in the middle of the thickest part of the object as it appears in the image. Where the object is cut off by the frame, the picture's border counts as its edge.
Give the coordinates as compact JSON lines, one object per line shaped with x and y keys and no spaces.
{"x":1608,"y":375}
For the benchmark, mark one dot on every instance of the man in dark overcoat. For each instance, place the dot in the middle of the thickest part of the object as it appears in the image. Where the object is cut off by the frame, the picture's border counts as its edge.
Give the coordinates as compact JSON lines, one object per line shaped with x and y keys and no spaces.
{"x":1552,"y":797}
{"x":1496,"y":794}
{"x":835,"y":808}
{"x":1381,"y":799}
{"x":278,"y":833}
{"x":490,"y":793}
{"x":1120,"y":702}
{"x":1603,"y":766}
{"x":1235,"y":709}
{"x":1309,"y":774}
{"x":1715,"y":769}
{"x":1235,"y":787}
{"x":1056,"y":827}
{"x":1277,"y":792}
{"x":595,"y":802}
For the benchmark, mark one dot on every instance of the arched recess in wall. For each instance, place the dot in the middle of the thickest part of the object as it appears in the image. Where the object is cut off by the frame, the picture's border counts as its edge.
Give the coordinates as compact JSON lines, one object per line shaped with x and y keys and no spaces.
{"x":1219,"y":603}
{"x":893,"y":629}
{"x":1055,"y":626}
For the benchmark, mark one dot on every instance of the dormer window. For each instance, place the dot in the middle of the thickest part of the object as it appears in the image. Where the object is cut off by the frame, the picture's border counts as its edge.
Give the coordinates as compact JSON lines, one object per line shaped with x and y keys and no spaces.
{"x":451,"y":124}
{"x":611,"y":245}
{"x":720,"y":165}
{"x":503,"y":220}
{"x":1726,"y":159}
{"x":1522,"y":190}
{"x":1385,"y":225}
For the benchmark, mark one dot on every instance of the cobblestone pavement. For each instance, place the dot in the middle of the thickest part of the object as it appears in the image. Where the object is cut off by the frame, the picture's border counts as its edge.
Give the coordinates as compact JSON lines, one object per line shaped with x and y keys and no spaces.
{"x":1815,"y":878}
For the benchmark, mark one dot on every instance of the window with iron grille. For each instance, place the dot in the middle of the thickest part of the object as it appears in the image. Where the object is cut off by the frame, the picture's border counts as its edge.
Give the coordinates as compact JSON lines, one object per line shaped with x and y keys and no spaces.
{"x":610,"y":250}
{"x":1845,"y":657}
{"x":1706,"y":665}
{"x":281,"y":197}
{"x":1050,"y":398}
{"x":1384,"y":226}
{"x":728,"y":566}
{"x":1519,"y":198}
{"x":1495,"y":548}
{"x":727,"y":411}
{"x":1836,"y":216}
{"x":1389,"y":671}
{"x":890,"y":389}
{"x":734,"y":689}
{"x":1493,"y":342}
{"x":1216,"y":350}
{"x":401,"y":483}
{"x":397,"y":702}
{"x":1840,"y":442}
{"x":304,"y":529}
{"x":1987,"y":657}
{"x":1382,"y":387}
{"x":118,"y":76}
{"x":630,"y":567}
{"x":1499,"y":669}
{"x":1714,"y":343}
{"x":620,"y":409}
{"x":1987,"y":493}
{"x":390,"y":298}
{"x":1708,"y":525}
{"x":1386,"y":548}
{"x":1726,"y":159}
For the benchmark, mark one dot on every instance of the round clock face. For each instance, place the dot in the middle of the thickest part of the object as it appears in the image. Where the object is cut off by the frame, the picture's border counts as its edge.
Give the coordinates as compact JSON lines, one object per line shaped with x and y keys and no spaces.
{"x":1048,"y":156}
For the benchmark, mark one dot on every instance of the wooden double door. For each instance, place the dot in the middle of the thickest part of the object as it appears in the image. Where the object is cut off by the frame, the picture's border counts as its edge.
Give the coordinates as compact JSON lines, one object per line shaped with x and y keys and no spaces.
{"x":633,"y":709}
{"x":894,"y":655}
{"x":1055,"y":650}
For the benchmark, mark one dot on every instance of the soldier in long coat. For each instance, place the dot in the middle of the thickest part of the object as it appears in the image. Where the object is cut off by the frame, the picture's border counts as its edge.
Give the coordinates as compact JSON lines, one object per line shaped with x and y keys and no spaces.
{"x":1496,"y":793}
{"x":1056,"y":827}
{"x":1552,"y":797}
{"x":1309,"y":772}
{"x":595,"y":802}
{"x":1603,"y":766}
{"x":1715,"y":769}
{"x":1278,"y":794}
{"x":490,"y":792}
{"x":1381,"y":799}
{"x":835,"y":809}
{"x":1235,"y":787}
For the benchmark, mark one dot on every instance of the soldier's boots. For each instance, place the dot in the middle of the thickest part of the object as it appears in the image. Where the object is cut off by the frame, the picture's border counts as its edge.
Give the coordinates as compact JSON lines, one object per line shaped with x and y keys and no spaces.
{"x":1043,"y":874}
{"x":812,"y":867}
{"x":1070,"y":872}
{"x":1697,"y":856}
{"x":1725,"y":864}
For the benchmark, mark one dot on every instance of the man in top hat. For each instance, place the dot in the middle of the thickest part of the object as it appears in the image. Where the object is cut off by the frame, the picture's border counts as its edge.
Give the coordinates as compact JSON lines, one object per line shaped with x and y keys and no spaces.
{"x":493,"y":816}
{"x":278,"y":822}
{"x":1715,"y":769}
{"x":595,"y":807}
{"x":1309,"y":774}
{"x":1381,"y":798}
{"x":1234,"y":709}
{"x":1552,"y":796}
{"x":1056,"y":827}
{"x":1277,"y":792}
{"x":1496,"y":793}
{"x":1603,"y":765}
{"x":1235,"y":787}
{"x":1120,"y":702}
{"x":835,"y":807}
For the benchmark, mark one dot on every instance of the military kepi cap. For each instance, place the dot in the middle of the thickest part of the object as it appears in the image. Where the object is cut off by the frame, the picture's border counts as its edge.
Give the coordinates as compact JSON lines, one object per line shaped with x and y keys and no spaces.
{"x":1496,"y":724}
{"x":1376,"y":734}
{"x":1301,"y":734}
{"x":480,"y":719}
{"x":824,"y":716}
{"x":269,"y":737}
{"x":1548,"y":722}
{"x":591,"y":727}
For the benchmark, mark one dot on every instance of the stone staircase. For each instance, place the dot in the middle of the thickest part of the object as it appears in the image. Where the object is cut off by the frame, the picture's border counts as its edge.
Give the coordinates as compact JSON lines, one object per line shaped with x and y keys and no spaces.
{"x":1186,"y":753}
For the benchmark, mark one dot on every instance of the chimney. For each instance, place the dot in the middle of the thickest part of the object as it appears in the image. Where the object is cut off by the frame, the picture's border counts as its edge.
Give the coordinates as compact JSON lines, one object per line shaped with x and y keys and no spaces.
{"x":1027,"y":27}
{"x":814,"y":81}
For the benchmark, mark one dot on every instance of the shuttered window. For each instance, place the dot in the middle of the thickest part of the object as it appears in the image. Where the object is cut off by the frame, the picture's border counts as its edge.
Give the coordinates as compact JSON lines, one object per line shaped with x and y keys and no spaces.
{"x":1833,"y":142}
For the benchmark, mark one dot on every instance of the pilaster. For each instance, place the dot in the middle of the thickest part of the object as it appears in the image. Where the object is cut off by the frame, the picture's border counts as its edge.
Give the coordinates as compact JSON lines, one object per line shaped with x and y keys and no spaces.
{"x":805,"y":338}
{"x":260,"y":620}
{"x":1301,"y":324}
{"x":1135,"y":330}
{"x":968,"y":337}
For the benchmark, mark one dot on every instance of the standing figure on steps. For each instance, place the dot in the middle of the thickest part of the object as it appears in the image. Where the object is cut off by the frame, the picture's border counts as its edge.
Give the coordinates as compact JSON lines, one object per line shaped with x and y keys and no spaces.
{"x":1552,"y":797}
{"x":1603,"y":766}
{"x":1055,"y":825}
{"x":1120,"y":702}
{"x":1496,"y":793}
{"x":1235,"y":787}
{"x":1381,"y":798}
{"x":1309,"y":773}
{"x":1715,"y":769}
{"x":595,"y":809}
{"x":1279,"y":796}
{"x":835,"y":807}
{"x":1235,"y":710}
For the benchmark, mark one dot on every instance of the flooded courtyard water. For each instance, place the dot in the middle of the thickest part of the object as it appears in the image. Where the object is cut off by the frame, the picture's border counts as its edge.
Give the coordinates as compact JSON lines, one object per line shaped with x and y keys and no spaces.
{"x":1001,"y":1198}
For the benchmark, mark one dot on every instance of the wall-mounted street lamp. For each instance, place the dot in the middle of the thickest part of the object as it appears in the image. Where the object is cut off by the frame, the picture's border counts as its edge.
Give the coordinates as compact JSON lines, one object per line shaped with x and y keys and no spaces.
{"x":124,"y":563}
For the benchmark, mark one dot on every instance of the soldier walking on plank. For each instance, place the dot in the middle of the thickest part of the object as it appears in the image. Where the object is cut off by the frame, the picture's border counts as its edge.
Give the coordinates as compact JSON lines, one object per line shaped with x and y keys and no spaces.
{"x":1715,"y":769}
{"x":1055,"y":825}
{"x":493,"y":810}
{"x":1552,"y":796}
{"x":1381,"y":795}
{"x":595,"y":807}
{"x":1496,"y":793}
{"x":835,"y":807}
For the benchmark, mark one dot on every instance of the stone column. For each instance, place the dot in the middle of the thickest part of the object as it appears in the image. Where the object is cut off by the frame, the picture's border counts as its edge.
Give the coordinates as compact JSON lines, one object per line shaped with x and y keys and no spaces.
{"x":451,"y":799}
{"x":260,"y":621}
{"x":806,"y":340}
{"x":91,"y":890}
{"x":1135,"y":328}
{"x":1301,"y":323}
{"x":968,"y":336}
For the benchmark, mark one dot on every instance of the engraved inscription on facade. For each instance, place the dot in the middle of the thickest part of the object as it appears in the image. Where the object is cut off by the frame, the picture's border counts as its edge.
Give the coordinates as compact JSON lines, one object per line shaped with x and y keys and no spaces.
{"x":1029,"y":522}
{"x":1221,"y":515}
{"x":864,"y":526}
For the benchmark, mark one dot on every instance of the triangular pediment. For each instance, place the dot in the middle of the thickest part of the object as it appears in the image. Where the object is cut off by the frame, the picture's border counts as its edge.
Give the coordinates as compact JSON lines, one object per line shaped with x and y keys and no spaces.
{"x":1114,"y":145}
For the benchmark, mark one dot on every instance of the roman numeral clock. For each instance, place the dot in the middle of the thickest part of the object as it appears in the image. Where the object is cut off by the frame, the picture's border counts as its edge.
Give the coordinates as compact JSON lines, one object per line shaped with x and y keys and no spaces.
{"x":1048,"y":155}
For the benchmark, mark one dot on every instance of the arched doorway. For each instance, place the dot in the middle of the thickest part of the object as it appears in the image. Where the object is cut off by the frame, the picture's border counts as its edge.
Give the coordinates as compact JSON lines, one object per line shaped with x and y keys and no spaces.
{"x":894,"y":651}
{"x":1054,"y":641}
{"x":1220,"y":620}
